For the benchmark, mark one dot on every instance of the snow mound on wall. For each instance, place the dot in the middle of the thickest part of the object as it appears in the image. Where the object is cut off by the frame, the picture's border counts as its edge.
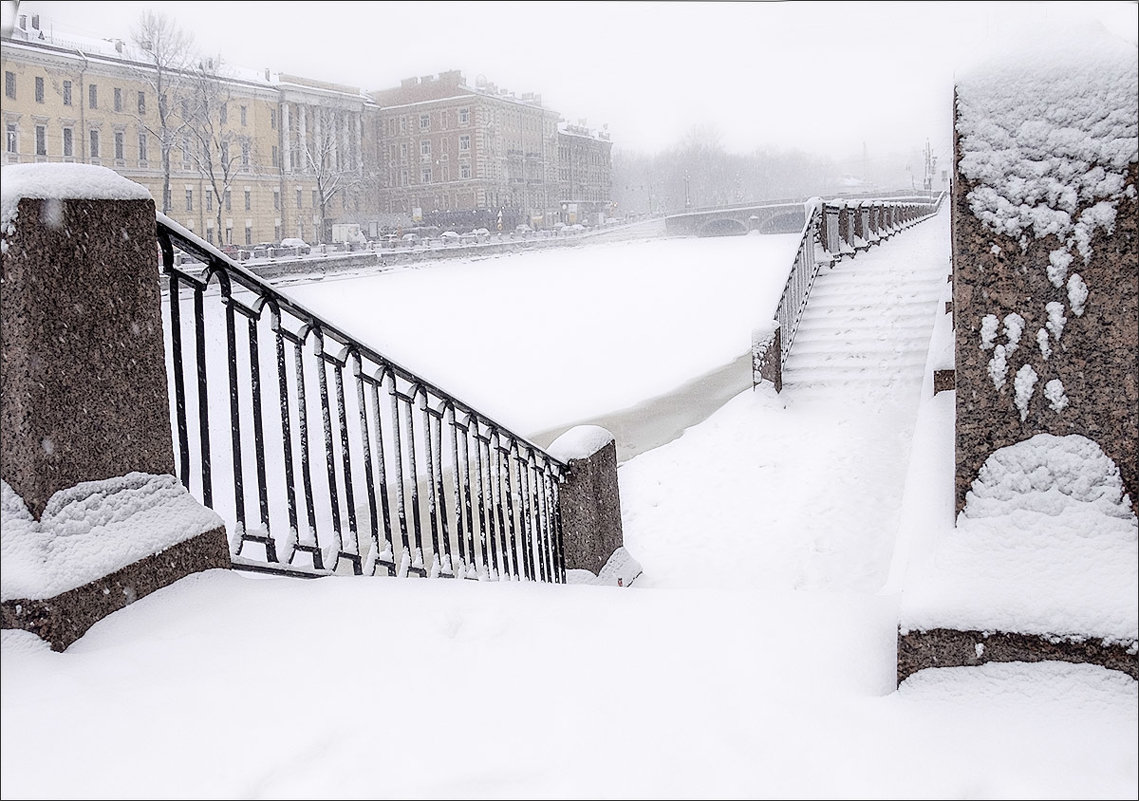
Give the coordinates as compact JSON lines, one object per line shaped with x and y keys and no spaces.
{"x":1046,"y":474}
{"x":1047,"y":544}
{"x":93,"y":529}
{"x":1047,"y":137}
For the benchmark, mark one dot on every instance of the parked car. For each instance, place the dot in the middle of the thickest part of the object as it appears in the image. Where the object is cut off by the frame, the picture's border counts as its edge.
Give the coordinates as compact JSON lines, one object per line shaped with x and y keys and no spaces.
{"x":230,"y":250}
{"x":302,"y":247}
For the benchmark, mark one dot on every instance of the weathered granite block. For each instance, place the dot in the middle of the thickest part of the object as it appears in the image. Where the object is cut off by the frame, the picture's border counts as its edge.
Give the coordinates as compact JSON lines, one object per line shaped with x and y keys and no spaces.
{"x":64,"y":618}
{"x":1096,"y":359}
{"x":83,"y":385}
{"x":918,"y":650}
{"x":589,"y":500}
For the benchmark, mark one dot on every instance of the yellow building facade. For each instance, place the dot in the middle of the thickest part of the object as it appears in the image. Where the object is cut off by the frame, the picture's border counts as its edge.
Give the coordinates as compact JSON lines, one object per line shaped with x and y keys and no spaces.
{"x":241,"y":170}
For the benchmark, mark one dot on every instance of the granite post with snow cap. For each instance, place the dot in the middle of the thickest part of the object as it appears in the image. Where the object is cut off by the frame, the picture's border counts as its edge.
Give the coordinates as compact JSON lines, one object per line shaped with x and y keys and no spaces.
{"x":84,"y":405}
{"x":1046,"y":252}
{"x":1043,"y":563}
{"x":590,"y":507}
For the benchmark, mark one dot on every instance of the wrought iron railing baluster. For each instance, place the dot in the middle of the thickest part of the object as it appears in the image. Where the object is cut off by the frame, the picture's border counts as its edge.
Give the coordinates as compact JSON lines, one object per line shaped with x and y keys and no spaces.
{"x":488,"y":492}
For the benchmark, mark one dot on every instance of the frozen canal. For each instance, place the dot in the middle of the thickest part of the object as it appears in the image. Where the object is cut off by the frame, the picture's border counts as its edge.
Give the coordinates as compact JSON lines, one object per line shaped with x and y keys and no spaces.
{"x":645,"y":337}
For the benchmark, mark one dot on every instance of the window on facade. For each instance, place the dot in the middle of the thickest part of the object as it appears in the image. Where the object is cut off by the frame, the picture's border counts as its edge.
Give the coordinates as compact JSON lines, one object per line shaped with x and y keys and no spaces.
{"x":93,"y":96}
{"x":119,"y":145}
{"x":11,"y":138}
{"x":248,"y":200}
{"x":425,"y":147}
{"x":185,"y":151}
{"x":465,"y":142}
{"x":403,"y":151}
{"x":245,"y":153}
{"x":315,"y":199}
{"x":300,"y":198}
{"x":464,"y":170}
{"x":94,"y":137}
{"x":224,"y":113}
{"x":273,"y":118}
{"x":118,"y":99}
{"x":225,"y":155}
{"x":41,"y":140}
{"x":209,"y":200}
{"x":464,"y":116}
{"x":425,"y":175}
{"x":276,"y":156}
{"x":228,"y":203}
{"x":243,"y":116}
{"x":142,"y":148}
{"x":39,"y":89}
{"x":229,"y":234}
{"x":189,"y":200}
{"x":424,"y":122}
{"x":277,"y":200}
{"x":67,"y":93}
{"x":142,"y":102}
{"x":402,"y":120}
{"x":248,"y":235}
{"x":68,"y":143}
{"x":403,"y":177}
{"x":10,"y":85}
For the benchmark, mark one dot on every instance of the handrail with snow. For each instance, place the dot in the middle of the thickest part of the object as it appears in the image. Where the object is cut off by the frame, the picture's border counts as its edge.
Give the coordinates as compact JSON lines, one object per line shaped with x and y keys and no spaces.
{"x":835,"y":230}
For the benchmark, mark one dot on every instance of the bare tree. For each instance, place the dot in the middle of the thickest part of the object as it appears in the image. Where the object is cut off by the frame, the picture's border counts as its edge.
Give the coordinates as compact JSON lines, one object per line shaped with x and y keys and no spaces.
{"x":329,"y":156}
{"x":165,"y":52}
{"x":218,"y":153}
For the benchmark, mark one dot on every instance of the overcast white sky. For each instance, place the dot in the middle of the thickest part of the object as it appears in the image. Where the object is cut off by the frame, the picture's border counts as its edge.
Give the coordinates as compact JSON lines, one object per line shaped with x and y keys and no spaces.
{"x":817,"y":76}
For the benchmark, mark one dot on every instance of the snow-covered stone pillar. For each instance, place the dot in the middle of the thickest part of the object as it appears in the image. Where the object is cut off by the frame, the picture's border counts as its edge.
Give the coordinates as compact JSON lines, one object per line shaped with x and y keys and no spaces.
{"x":830,"y":234}
{"x":92,"y":515}
{"x":589,"y":503}
{"x":1046,"y":298}
{"x":767,"y":356}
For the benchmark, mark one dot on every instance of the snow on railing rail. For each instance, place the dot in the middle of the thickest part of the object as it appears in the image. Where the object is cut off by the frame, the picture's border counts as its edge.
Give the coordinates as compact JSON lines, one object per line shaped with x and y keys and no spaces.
{"x":399,"y":475}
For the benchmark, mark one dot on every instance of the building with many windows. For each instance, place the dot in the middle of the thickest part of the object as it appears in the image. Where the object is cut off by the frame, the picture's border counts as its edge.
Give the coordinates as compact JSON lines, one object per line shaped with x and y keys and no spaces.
{"x":244,"y":157}
{"x":585,"y":174}
{"x":253,"y":156}
{"x":454,"y":153}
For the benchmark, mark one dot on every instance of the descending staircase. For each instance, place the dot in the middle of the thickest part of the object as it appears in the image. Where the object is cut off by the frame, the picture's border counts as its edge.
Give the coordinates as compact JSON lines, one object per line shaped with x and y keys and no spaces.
{"x":868,"y":321}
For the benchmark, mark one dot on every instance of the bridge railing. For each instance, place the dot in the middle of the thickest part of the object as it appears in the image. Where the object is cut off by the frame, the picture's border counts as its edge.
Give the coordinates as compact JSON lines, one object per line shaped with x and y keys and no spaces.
{"x":325,"y":456}
{"x":833,"y":230}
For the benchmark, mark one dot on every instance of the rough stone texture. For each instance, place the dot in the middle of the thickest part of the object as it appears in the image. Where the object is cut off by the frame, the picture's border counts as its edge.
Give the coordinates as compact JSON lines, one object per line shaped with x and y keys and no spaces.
{"x":943,"y":380}
{"x":83,"y":383}
{"x":1096,"y":358}
{"x":65,"y":618}
{"x":949,"y":648}
{"x":590,"y":507}
{"x":766,"y":360}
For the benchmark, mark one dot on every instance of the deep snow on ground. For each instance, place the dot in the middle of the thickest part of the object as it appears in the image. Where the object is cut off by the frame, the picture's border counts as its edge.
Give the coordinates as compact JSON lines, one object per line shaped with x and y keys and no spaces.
{"x":754,"y":659}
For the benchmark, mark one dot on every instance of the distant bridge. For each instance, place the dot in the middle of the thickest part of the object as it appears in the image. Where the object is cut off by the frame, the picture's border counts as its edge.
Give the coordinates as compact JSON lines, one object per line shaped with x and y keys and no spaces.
{"x":773,"y":218}
{"x":778,"y":217}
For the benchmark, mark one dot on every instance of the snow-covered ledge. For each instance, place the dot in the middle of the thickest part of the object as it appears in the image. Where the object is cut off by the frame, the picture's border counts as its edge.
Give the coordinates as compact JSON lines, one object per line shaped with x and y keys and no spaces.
{"x":93,"y":517}
{"x":590,"y":507}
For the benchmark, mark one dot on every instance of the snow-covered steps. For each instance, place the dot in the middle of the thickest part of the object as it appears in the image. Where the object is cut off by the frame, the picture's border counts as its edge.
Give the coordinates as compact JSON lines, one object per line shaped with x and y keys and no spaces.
{"x":869,"y":319}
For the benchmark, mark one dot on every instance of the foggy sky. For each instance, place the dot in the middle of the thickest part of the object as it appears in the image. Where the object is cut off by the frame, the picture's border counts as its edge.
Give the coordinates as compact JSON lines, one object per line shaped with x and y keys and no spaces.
{"x":828,"y":78}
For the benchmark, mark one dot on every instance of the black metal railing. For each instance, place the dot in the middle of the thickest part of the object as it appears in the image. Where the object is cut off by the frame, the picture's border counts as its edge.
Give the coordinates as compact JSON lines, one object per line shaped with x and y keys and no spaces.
{"x":833,"y":231}
{"x":337,"y":459}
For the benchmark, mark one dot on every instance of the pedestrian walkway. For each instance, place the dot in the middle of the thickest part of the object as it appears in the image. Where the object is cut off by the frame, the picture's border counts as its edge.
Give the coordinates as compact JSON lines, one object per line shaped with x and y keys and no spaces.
{"x":802,"y":489}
